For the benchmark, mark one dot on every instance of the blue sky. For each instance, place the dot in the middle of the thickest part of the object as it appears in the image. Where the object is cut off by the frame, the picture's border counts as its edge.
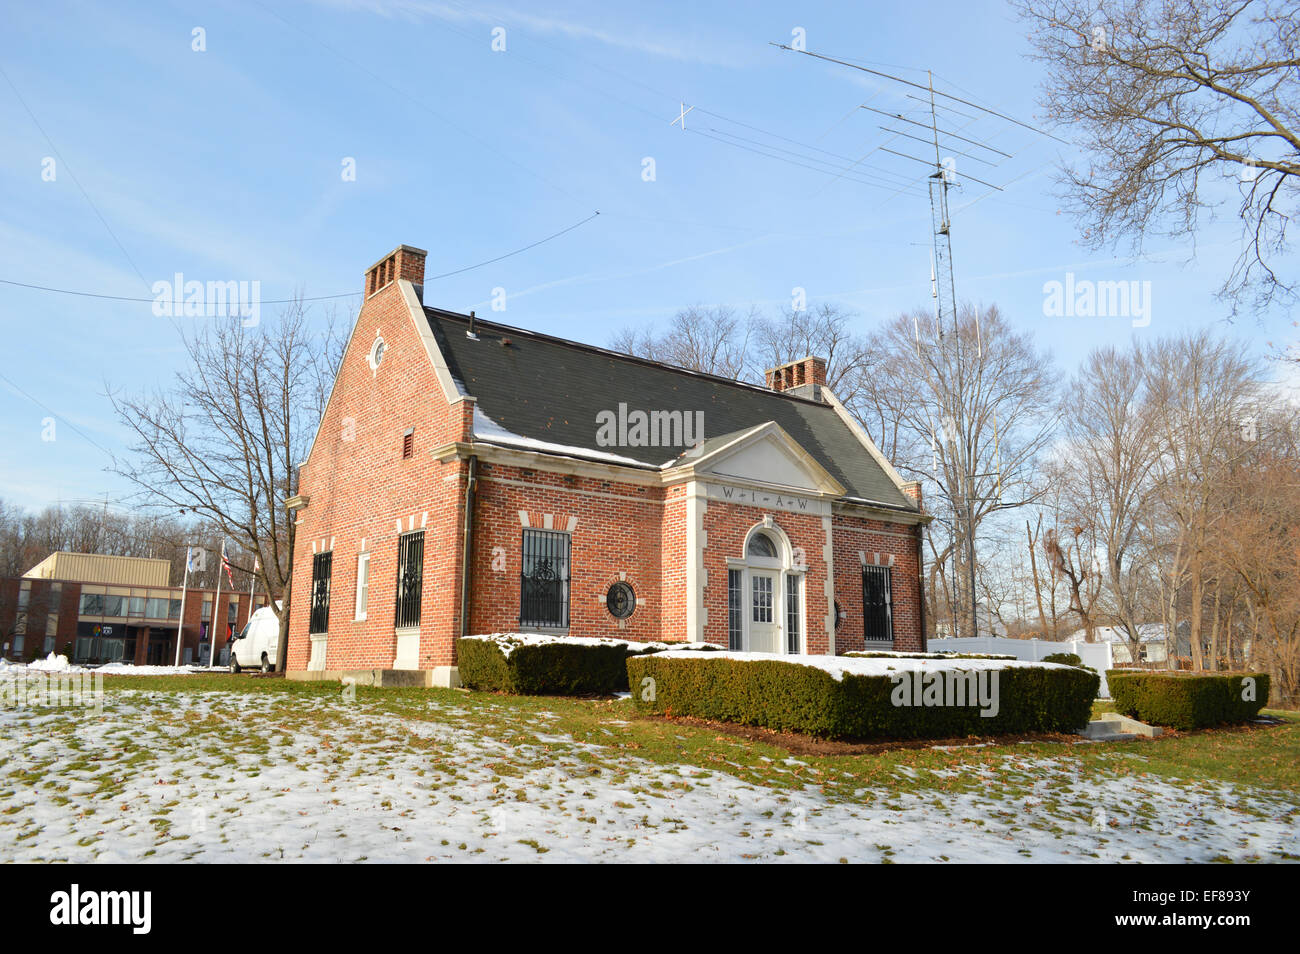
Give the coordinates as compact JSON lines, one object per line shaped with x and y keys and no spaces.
{"x":226,"y":165}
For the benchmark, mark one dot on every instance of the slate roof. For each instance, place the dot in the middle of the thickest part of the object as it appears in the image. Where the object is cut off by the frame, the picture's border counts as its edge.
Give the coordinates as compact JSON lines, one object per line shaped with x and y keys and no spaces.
{"x":548,"y":389}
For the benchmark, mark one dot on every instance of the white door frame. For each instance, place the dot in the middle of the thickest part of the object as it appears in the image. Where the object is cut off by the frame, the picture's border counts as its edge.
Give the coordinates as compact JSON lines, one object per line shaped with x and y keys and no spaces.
{"x":781,"y":568}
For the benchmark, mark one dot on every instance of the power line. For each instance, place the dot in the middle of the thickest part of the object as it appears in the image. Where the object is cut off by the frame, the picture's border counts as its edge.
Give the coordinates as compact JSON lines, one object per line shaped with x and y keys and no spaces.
{"x":841,"y":173}
{"x":282,"y":301}
{"x":84,"y":194}
{"x":56,"y":415}
{"x":791,"y":152}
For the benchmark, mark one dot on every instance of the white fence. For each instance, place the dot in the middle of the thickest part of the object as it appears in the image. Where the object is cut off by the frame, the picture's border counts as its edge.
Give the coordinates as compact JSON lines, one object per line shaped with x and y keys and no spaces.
{"x":1096,"y":655}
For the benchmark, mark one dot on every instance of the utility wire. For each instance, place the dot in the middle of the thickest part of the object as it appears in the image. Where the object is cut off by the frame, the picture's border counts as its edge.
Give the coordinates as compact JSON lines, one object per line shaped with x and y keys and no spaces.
{"x":282,"y":301}
{"x":82,"y":189}
{"x":841,"y":173}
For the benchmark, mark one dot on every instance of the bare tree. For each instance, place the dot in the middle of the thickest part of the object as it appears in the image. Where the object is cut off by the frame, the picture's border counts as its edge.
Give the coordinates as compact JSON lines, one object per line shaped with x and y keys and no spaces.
{"x":1109,"y":449}
{"x":825,"y":331}
{"x":224,"y":442}
{"x":1074,"y":560}
{"x":970,"y":411}
{"x":714,"y":340}
{"x":1166,"y":99}
{"x":1204,"y":387}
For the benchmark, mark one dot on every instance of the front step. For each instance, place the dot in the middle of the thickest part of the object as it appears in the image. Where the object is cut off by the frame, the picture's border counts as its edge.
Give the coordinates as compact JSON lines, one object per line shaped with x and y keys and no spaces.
{"x":1113,"y":727}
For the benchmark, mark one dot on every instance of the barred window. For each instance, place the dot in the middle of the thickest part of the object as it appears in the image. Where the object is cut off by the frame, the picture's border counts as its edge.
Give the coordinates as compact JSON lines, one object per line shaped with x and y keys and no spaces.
{"x":544,"y":579}
{"x":792,"y":612}
{"x":410,"y":578}
{"x":320,"y":593}
{"x":877,"y":620}
{"x":735,"y":625}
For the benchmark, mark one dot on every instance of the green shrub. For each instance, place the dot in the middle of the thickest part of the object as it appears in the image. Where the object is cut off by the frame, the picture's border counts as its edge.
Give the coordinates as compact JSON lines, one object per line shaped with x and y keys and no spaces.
{"x":1186,"y":700}
{"x":790,"y":697}
{"x":548,"y":669}
{"x":1064,"y":659}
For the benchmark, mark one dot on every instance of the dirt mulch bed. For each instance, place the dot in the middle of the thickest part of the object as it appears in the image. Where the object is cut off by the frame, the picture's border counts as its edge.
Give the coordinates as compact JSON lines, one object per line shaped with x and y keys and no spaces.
{"x":797,"y":744}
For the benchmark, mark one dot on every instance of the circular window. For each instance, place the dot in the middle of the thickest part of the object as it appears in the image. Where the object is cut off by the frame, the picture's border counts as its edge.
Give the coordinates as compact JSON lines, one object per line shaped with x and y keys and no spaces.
{"x":377,"y":353}
{"x":620,"y":600}
{"x":839,"y":614}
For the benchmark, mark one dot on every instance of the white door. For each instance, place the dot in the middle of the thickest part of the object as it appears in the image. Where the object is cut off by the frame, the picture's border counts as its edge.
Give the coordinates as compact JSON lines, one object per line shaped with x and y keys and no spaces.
{"x":764,"y":633}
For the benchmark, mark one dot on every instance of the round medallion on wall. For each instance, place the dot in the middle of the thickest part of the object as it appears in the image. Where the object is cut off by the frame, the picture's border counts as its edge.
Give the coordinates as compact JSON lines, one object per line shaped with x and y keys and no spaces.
{"x":620,"y":600}
{"x":376,"y":354}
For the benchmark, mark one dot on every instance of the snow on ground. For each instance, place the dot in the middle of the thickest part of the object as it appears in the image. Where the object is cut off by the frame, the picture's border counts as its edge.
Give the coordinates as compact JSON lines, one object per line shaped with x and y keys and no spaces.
{"x":236,"y":777}
{"x":60,"y":664}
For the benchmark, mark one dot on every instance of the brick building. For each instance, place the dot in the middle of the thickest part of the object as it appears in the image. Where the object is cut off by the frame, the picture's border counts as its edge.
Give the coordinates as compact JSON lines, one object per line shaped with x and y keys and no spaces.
{"x":469,"y":477}
{"x":98,"y":609}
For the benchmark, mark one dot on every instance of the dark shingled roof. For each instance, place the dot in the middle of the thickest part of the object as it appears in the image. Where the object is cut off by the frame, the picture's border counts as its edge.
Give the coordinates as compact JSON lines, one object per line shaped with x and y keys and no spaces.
{"x":550,"y":389}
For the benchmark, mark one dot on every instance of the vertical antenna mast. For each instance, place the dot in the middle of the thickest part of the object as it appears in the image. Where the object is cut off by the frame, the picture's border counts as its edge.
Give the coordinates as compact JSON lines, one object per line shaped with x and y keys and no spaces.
{"x":945,"y":291}
{"x":945,"y":296}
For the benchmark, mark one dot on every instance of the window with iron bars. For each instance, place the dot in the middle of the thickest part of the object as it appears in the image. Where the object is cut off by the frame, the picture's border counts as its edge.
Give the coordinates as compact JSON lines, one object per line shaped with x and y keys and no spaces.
{"x":544,"y":579}
{"x":410,"y":578}
{"x":877,"y":618}
{"x":320,"y":592}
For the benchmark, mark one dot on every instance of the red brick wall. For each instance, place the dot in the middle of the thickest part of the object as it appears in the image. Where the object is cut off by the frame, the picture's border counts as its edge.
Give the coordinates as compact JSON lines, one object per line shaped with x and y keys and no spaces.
{"x":359,"y":486}
{"x":854,"y":535}
{"x":672,"y":546}
{"x":727,"y":525}
{"x":617,"y":532}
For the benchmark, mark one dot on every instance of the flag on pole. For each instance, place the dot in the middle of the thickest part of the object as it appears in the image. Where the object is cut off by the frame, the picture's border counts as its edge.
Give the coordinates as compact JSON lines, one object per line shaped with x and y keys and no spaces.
{"x":195,"y":559}
{"x":225,"y":564}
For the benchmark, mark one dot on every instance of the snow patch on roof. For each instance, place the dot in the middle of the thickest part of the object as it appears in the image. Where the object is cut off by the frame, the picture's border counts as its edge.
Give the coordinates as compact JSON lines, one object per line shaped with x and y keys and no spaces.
{"x":490,"y":431}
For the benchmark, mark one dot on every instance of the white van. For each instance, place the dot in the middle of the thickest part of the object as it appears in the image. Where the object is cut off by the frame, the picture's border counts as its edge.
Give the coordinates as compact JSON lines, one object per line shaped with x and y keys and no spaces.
{"x":255,"y":647}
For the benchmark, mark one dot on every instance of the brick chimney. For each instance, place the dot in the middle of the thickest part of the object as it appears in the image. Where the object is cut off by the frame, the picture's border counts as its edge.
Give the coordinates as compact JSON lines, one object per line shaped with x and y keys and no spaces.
{"x":913,"y":490}
{"x":402,"y":262}
{"x":804,"y":376}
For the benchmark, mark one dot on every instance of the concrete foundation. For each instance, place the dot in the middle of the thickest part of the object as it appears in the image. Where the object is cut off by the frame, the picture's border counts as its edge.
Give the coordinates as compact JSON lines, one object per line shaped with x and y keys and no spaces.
{"x":440,"y":677}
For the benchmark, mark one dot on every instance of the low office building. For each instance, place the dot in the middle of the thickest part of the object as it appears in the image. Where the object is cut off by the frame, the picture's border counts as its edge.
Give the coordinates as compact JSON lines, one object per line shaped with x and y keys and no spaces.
{"x":96,"y":608}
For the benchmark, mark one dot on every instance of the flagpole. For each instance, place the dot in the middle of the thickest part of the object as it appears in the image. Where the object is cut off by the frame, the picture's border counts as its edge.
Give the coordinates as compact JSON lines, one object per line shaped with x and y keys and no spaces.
{"x":216,"y":608}
{"x":180,"y":622}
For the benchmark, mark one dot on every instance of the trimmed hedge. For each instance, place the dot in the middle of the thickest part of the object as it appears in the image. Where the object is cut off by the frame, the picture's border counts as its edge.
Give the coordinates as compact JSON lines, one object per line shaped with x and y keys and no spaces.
{"x":1186,"y":700}
{"x":789,"y":697}
{"x":870,"y":654}
{"x":1064,"y":659}
{"x":550,"y":669}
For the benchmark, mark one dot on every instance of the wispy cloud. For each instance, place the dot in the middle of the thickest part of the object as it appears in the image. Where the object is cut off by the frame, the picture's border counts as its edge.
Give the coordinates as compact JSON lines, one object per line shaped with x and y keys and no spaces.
{"x":681,"y":48}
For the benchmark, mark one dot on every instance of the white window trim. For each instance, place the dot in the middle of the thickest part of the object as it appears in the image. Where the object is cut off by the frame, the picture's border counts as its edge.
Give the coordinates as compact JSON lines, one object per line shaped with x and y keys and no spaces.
{"x":358,"y":612}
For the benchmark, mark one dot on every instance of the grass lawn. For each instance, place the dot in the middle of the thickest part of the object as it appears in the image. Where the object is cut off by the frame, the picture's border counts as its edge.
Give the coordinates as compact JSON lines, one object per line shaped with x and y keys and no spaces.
{"x":225,"y":768}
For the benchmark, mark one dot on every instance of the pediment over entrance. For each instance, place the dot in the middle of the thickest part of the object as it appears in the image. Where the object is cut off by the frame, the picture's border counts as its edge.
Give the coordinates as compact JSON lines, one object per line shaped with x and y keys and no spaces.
{"x":765,"y":455}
